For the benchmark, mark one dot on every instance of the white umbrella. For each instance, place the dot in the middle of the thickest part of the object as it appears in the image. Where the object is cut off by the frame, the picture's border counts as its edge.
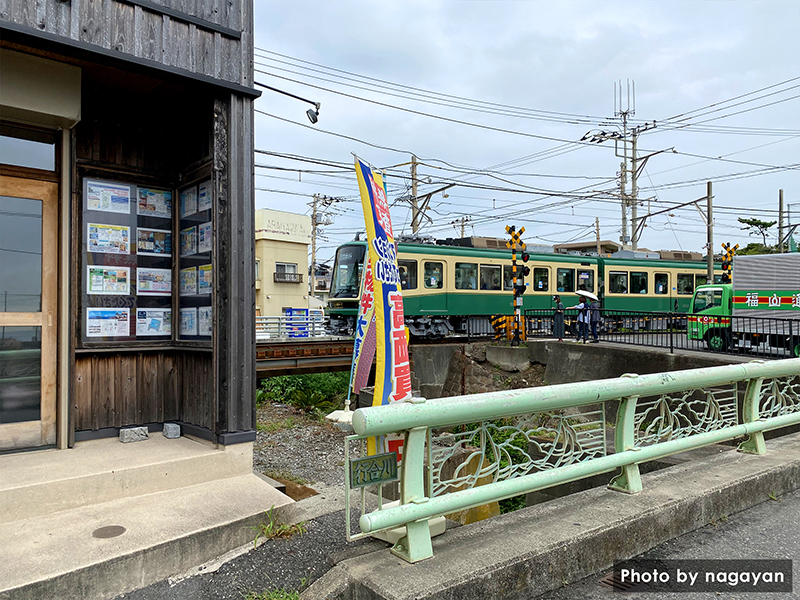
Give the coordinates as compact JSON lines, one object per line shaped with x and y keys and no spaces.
{"x":587,"y":294}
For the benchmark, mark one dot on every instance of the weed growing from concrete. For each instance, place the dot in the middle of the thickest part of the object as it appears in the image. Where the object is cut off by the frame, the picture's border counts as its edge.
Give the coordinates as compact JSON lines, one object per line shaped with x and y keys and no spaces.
{"x":274,"y":426}
{"x":273,"y":595}
{"x":271,"y":528}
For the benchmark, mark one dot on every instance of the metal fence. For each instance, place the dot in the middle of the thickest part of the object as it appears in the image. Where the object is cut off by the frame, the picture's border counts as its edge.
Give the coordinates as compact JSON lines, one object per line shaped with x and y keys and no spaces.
{"x":748,"y":336}
{"x":286,"y":327}
{"x":463,"y":452}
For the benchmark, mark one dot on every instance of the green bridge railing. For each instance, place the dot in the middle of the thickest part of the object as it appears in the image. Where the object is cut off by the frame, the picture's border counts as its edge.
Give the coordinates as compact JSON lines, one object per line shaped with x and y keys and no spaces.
{"x":466,"y":451}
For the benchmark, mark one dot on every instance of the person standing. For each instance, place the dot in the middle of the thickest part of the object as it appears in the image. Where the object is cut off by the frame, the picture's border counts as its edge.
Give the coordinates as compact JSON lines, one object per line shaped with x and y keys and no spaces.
{"x":583,"y":319}
{"x":594,"y":319}
{"x":558,"y":319}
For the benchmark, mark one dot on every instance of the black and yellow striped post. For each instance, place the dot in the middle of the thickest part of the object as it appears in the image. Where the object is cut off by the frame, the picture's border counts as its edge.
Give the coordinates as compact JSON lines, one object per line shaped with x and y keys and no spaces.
{"x":515,"y":244}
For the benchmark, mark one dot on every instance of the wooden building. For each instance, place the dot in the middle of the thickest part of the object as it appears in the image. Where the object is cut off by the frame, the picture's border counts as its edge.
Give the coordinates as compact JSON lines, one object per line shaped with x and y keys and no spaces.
{"x":126,"y":212}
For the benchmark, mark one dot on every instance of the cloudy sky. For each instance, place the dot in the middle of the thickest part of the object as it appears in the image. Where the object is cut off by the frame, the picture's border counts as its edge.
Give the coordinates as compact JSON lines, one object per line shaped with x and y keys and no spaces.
{"x":495,"y":96}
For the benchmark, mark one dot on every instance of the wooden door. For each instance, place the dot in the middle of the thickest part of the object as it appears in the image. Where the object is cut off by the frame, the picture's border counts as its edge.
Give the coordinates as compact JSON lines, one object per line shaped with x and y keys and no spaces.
{"x":28,"y":311}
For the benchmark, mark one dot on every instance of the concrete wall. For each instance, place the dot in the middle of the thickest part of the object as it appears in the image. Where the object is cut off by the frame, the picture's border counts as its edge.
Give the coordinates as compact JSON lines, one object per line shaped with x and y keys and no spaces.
{"x":568,"y":362}
{"x":430,"y":365}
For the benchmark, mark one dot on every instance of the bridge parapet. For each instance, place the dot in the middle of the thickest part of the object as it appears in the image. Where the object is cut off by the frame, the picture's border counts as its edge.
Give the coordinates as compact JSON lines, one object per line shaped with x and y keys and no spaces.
{"x":527,"y":440}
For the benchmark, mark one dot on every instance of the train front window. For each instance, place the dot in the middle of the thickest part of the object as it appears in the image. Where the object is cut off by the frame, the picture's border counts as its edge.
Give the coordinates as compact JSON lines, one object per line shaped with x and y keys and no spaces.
{"x":565,"y":280}
{"x":490,"y":277}
{"x":661,"y":283}
{"x":541,"y":281}
{"x":434,"y":275}
{"x":586,"y":280}
{"x":347,"y":272}
{"x":618,"y":282}
{"x":408,"y":274}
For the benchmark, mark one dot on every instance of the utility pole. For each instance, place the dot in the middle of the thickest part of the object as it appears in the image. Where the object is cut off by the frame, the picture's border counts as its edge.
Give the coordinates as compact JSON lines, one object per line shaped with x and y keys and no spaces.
{"x":710,"y":236}
{"x":318,"y":218}
{"x":463,"y":222}
{"x":597,"y":233}
{"x":780,"y":221}
{"x":414,"y":207}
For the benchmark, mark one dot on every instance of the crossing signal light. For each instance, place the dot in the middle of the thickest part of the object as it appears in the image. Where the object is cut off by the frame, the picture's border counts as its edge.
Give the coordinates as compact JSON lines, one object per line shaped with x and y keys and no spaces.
{"x":525,"y":257}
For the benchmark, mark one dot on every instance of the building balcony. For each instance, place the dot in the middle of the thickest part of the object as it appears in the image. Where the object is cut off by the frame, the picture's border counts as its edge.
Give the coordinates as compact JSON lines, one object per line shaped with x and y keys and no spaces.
{"x":288,"y":277}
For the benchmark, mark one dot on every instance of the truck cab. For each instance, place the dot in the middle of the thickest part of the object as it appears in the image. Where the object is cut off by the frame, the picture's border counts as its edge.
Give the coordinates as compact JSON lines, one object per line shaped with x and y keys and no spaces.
{"x":710,"y":315}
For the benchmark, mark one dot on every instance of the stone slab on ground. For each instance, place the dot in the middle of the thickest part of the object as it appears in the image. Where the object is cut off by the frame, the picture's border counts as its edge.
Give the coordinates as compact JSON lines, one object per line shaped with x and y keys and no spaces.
{"x":133,"y":434}
{"x":537,"y":549}
{"x":509,"y":358}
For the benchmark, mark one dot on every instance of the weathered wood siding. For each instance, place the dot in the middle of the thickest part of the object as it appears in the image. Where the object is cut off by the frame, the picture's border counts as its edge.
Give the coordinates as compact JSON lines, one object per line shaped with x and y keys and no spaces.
{"x":118,"y":390}
{"x":204,"y":37}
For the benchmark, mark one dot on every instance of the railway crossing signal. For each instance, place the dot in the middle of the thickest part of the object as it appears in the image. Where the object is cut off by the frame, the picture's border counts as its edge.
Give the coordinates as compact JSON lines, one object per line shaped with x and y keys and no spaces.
{"x":727,"y":261}
{"x":519,"y":284}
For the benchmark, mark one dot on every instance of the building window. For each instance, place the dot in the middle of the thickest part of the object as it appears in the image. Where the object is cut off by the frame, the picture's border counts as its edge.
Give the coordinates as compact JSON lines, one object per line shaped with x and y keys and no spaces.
{"x":287,"y":273}
{"x":258,"y":269}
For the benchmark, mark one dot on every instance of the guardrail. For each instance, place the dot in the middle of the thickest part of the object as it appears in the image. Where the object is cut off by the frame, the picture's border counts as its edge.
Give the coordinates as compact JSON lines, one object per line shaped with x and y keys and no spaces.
{"x":757,"y":336}
{"x":526,"y":440}
{"x":283,"y":327}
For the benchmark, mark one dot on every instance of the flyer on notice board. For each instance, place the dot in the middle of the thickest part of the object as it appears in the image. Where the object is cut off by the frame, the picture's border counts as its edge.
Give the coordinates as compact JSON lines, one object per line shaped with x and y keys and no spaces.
{"x":204,"y":320}
{"x":153,"y":282}
{"x":189,"y":241}
{"x":188,"y":281}
{"x":108,"y":322}
{"x":108,"y":239}
{"x":153,"y":321}
{"x":153,"y":242}
{"x":204,"y":280}
{"x":188,"y":202}
{"x":204,"y":238}
{"x":188,"y":321}
{"x":155,"y":203}
{"x":107,"y":197}
{"x":113,"y":281}
{"x":204,"y":196}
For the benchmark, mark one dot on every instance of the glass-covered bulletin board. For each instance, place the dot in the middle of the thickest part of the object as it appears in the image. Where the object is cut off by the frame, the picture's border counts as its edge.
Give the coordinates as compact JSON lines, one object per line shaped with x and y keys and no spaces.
{"x":195,"y":273}
{"x":130,"y":259}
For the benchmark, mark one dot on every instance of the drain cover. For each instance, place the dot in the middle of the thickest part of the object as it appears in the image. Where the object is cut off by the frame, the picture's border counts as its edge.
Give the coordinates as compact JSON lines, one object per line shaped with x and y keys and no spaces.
{"x":611,"y":581}
{"x":109,"y":531}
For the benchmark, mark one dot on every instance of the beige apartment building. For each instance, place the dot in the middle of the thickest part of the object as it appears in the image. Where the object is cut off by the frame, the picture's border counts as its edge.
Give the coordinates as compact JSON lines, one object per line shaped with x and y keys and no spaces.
{"x":282,"y":241}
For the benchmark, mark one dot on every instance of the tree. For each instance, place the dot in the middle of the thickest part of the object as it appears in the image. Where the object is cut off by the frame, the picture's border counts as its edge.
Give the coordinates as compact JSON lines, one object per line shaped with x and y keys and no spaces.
{"x":757,"y":227}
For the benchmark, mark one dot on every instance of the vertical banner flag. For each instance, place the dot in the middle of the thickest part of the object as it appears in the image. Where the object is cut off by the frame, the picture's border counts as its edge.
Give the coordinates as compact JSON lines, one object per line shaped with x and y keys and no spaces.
{"x":364,"y":345}
{"x":393,"y":370}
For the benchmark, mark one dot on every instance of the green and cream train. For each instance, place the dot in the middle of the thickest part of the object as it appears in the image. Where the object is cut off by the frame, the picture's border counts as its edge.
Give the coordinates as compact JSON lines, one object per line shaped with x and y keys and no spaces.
{"x":444,"y":287}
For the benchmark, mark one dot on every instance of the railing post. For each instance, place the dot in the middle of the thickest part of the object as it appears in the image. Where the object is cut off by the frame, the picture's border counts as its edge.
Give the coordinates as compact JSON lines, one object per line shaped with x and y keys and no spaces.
{"x":671,"y":324}
{"x":754,"y":444}
{"x":416,"y":544}
{"x":629,"y":479}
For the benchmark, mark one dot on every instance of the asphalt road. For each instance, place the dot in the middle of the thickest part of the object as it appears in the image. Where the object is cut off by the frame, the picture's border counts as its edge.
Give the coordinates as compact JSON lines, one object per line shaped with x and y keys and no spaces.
{"x":768,"y":531}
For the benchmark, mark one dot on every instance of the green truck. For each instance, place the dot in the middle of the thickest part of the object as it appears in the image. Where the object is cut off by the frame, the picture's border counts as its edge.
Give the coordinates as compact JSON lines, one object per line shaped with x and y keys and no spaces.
{"x":759,"y":310}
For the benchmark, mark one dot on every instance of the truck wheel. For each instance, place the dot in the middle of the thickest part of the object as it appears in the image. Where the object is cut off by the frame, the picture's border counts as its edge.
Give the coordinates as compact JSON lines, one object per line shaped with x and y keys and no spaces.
{"x":717,"y":340}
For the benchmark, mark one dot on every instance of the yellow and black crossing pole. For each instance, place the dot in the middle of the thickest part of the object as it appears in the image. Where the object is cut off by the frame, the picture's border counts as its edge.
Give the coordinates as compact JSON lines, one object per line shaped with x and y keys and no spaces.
{"x":515,"y":244}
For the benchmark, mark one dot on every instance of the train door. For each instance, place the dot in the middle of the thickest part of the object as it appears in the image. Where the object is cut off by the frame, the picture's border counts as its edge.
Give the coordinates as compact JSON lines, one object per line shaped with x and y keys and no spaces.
{"x":433,"y":282}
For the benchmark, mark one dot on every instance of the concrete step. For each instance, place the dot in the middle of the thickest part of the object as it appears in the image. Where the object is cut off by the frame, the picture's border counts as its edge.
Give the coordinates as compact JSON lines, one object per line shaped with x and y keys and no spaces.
{"x":63,"y":555}
{"x":46,"y":481}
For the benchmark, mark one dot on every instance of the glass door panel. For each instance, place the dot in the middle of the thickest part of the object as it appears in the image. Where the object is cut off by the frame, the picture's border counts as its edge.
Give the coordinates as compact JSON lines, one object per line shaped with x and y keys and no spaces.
{"x":28,"y":289}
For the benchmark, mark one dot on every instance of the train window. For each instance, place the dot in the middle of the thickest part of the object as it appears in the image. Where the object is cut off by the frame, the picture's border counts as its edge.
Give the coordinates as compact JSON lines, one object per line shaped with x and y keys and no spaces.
{"x":490,"y":277}
{"x":685,"y":283}
{"x":508,"y":278}
{"x":408,"y":274}
{"x":586,"y":280}
{"x":661,"y":283}
{"x":347,"y":272}
{"x":717,"y":278}
{"x":618,"y":282}
{"x":638,"y":282}
{"x":700,"y":280}
{"x":541,"y":276}
{"x":434,"y":275}
{"x":565,"y":280}
{"x":466,"y":276}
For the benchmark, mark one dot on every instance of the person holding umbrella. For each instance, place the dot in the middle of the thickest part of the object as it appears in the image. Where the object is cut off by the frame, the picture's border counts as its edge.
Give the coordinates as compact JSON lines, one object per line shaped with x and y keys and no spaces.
{"x":583,"y":314}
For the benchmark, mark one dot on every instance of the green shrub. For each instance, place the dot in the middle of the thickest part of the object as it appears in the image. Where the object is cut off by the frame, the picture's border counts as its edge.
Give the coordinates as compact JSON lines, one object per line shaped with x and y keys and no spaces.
{"x":323,"y":387}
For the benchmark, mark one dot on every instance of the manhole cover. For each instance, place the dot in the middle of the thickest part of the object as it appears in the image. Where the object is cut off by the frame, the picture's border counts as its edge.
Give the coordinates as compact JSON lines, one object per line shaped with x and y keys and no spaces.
{"x":611,"y":581}
{"x":109,"y":531}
